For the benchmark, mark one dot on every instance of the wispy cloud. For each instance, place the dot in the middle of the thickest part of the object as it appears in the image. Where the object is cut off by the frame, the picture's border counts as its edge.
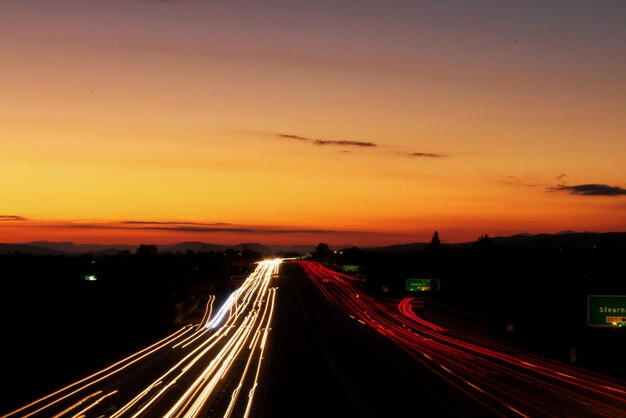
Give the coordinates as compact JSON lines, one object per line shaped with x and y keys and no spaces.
{"x":318,"y":141}
{"x":426,"y":155}
{"x":174,"y":223}
{"x":344,"y":143}
{"x":296,"y":137}
{"x":525,"y":181}
{"x":197,"y":227}
{"x":561,"y":176}
{"x":591,"y":190}
{"x":11,"y":218}
{"x":181,"y":226}
{"x":357,"y":144}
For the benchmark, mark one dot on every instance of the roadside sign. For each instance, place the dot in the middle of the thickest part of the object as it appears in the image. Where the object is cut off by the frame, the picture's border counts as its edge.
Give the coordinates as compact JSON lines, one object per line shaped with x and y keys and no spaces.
{"x":606,"y":310}
{"x":350,"y":268}
{"x":418,"y":285}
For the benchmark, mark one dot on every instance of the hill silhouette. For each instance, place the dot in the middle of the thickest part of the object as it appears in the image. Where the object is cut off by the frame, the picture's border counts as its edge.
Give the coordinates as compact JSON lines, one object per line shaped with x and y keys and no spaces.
{"x":566,"y":239}
{"x":572,"y":240}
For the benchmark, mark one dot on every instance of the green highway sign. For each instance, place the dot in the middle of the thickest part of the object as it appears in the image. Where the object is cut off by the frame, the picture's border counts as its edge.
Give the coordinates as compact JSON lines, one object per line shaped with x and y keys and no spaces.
{"x":416,"y":285}
{"x":606,"y":311}
{"x":350,"y":268}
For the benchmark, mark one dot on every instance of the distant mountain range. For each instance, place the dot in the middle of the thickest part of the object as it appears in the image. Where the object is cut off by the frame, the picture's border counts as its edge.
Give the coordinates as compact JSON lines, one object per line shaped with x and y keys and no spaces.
{"x":30,"y":249}
{"x":565,"y":239}
{"x":68,"y":248}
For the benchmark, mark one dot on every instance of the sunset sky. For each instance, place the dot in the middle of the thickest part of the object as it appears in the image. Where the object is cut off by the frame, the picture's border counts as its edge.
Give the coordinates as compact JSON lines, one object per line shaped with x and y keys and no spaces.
{"x":290,"y":122}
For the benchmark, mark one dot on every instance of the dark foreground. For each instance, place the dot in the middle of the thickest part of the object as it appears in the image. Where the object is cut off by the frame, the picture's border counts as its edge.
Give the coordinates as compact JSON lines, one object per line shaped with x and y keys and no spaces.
{"x":307,"y":342}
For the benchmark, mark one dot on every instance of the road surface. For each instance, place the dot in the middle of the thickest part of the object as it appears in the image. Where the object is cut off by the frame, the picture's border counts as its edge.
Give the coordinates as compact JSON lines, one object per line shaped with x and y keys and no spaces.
{"x":504,"y":383}
{"x":305,"y":341}
{"x":208,"y":369}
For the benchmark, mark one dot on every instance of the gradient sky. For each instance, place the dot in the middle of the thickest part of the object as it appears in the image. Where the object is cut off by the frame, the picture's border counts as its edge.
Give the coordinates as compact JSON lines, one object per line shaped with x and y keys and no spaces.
{"x":290,"y":122}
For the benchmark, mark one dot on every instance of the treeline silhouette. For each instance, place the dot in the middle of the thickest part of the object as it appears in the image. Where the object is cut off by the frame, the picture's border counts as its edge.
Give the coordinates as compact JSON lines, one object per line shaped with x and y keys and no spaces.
{"x":63,"y":316}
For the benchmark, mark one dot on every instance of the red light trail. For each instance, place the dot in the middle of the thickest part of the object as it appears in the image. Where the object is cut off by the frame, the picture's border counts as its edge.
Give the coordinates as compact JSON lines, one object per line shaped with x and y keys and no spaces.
{"x":505,"y":383}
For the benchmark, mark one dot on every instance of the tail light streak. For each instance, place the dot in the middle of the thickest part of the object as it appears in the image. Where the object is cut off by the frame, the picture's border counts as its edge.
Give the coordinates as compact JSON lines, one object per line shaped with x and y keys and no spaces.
{"x":503,"y":382}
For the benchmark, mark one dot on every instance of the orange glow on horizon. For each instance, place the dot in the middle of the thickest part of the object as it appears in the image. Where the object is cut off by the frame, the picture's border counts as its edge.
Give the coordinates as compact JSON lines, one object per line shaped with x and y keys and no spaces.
{"x":368,"y":128}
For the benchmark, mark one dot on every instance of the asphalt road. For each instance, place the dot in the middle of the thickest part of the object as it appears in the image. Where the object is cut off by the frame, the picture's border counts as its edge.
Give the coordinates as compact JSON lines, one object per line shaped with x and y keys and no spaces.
{"x":305,"y":341}
{"x":498,"y":381}
{"x":317,"y":361}
{"x":208,"y":369}
{"x":324,"y":363}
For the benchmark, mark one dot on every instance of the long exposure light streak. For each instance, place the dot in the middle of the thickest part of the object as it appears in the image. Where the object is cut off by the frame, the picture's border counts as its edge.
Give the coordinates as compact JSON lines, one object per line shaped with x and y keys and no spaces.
{"x":505,"y":383}
{"x":188,"y":367}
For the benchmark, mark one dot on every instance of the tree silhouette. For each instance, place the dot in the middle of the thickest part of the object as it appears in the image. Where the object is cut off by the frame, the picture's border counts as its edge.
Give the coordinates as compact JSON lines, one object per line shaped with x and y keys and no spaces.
{"x":484,"y":242}
{"x":146,"y":250}
{"x":435,"y":243}
{"x":322,"y":251}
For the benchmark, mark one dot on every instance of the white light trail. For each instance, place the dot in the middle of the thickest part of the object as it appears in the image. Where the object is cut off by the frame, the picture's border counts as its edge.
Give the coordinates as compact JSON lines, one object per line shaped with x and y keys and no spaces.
{"x":229,"y":343}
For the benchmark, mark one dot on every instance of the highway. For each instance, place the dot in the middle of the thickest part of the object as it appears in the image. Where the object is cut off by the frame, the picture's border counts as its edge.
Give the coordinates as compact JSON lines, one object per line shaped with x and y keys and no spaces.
{"x":323,"y":363}
{"x":300,"y":340}
{"x":208,"y":369}
{"x":502,"y":382}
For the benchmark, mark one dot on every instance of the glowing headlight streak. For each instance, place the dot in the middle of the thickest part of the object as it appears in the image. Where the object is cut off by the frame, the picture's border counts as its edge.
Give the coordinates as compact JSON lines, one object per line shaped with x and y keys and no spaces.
{"x":226,"y":307}
{"x":208,"y":310}
{"x":77,"y":404}
{"x":208,"y":381}
{"x":200,"y":328}
{"x":245,"y":338}
{"x":264,"y":321}
{"x":239,"y":328}
{"x":99,"y":376}
{"x":96,"y":402}
{"x":221,"y":362}
{"x":504,"y":383}
{"x":261,"y":356}
{"x":185,"y":364}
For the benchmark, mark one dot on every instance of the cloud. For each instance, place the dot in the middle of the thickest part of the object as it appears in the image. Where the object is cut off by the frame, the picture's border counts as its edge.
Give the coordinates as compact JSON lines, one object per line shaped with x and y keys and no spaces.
{"x":244,"y":230}
{"x":358,"y":144}
{"x":296,"y":137}
{"x":317,"y":141}
{"x":345,"y":143}
{"x":173,"y":223}
{"x":591,"y":190}
{"x":11,"y":218}
{"x":203,"y":228}
{"x":525,"y":181}
{"x":426,"y":155}
{"x":560,"y":177}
